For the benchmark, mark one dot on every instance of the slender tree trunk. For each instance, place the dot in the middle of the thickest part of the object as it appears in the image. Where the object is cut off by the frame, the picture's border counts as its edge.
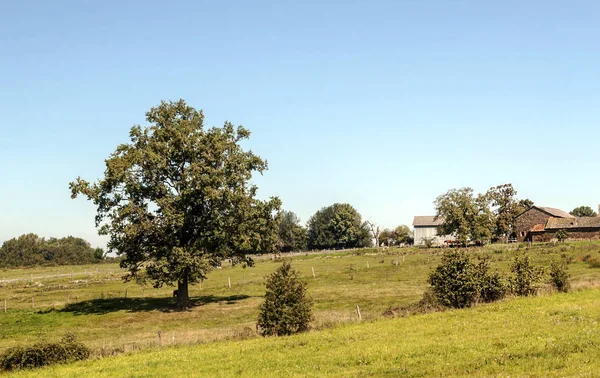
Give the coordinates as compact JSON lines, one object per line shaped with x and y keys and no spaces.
{"x":183,"y":298}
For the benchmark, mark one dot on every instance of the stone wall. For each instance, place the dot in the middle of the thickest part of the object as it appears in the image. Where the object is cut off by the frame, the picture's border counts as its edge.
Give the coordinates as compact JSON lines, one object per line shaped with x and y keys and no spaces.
{"x":527,"y":220}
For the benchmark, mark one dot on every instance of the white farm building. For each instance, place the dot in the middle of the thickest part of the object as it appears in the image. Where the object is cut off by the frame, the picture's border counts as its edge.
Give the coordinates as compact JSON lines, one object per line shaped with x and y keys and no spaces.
{"x":425,"y":227}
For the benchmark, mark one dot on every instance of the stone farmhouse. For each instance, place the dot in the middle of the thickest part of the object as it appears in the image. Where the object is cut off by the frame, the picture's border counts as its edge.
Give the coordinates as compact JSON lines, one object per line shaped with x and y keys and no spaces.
{"x":541,"y":224}
{"x":426,"y":227}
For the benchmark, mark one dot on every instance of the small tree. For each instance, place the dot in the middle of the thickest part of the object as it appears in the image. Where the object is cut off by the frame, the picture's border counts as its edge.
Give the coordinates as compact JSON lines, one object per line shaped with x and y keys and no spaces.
{"x":562,"y":235}
{"x":287,"y":308}
{"x":526,"y":277}
{"x":559,"y":276}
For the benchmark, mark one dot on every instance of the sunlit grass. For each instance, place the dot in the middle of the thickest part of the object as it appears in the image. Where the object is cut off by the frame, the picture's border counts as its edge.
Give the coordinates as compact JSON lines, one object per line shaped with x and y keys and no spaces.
{"x":548,"y":336}
{"x":106,"y":313}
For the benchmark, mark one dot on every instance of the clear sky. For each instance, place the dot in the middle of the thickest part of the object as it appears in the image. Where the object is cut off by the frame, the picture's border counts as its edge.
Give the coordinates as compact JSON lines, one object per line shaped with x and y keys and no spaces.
{"x":382,"y":104}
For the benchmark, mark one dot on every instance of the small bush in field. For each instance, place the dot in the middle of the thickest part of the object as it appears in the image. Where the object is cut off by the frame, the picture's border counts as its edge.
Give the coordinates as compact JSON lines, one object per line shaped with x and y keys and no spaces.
{"x":287,"y":308}
{"x":457,"y":282}
{"x":491,"y":285}
{"x":559,"y":276}
{"x":593,"y":262}
{"x":42,"y":354}
{"x":562,"y":235}
{"x":526,"y":277}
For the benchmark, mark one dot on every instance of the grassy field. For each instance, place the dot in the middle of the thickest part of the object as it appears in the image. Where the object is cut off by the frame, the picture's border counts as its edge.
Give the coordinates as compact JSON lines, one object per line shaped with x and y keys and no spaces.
{"x":107,"y":314}
{"x":547,"y":336}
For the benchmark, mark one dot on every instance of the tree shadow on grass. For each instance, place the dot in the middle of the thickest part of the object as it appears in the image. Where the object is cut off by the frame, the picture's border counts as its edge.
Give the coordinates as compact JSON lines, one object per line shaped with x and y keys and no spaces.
{"x":107,"y":305}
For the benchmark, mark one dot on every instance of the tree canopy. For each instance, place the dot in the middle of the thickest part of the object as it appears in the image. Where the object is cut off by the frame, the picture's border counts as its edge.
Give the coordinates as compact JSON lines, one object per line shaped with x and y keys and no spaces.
{"x":506,"y":206}
{"x":177,"y":199}
{"x":31,"y":249}
{"x":398,"y":236}
{"x":583,"y":211}
{"x":479,"y":218}
{"x":291,"y":235}
{"x":338,"y":226}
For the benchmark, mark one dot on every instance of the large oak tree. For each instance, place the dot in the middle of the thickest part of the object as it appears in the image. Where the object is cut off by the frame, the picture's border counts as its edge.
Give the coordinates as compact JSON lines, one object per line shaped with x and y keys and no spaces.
{"x":177,"y":199}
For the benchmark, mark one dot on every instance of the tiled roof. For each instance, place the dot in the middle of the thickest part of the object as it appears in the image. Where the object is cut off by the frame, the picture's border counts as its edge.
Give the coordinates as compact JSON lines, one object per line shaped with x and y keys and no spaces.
{"x":567,"y":223}
{"x":427,"y":221}
{"x":556,"y":212}
{"x":538,"y":228}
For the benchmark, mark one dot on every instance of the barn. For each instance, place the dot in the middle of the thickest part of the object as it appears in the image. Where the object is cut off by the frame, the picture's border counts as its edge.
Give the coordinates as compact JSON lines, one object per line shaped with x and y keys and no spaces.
{"x":426,"y":227}
{"x":584,"y":228}
{"x":532,"y":222}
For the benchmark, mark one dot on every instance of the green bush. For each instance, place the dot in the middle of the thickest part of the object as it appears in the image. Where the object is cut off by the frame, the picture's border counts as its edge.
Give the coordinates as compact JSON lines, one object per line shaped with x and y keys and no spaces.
{"x":525,"y":278}
{"x":559,"y":276}
{"x":491,"y":285}
{"x":562,"y":235}
{"x":42,"y":354}
{"x":457,"y":282}
{"x":287,"y":308}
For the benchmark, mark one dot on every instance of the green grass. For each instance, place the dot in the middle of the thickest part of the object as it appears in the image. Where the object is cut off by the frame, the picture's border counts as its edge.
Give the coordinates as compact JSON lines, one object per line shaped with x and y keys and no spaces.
{"x":547,"y":336}
{"x":102,"y":318}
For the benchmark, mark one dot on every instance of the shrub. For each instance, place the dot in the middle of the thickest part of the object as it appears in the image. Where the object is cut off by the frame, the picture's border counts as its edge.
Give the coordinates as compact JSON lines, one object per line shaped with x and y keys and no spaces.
{"x":458,"y":283}
{"x":525,"y":278}
{"x":287,"y":308}
{"x":559,"y":276}
{"x":427,"y":242}
{"x":593,"y":262}
{"x":562,"y":235}
{"x":68,"y":349}
{"x":491,"y":285}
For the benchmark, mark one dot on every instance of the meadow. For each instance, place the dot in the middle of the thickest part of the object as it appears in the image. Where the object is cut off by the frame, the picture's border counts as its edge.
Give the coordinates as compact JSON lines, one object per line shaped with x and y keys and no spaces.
{"x":111,"y":316}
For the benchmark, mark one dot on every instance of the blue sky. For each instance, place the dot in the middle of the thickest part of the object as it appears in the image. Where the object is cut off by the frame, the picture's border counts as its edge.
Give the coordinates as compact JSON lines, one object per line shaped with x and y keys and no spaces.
{"x":382,"y":104}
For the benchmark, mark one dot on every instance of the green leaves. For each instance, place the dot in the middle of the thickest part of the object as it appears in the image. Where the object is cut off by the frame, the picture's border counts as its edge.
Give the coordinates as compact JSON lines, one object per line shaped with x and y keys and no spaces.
{"x":583,"y":211}
{"x":291,"y":235}
{"x":479,"y":218}
{"x":338,"y":226}
{"x":177,"y":199}
{"x":458,"y":282}
{"x":287,"y":309}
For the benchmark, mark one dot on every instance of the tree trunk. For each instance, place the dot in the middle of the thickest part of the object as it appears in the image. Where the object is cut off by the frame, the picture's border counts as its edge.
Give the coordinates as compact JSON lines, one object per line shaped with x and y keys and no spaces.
{"x":183,"y":298}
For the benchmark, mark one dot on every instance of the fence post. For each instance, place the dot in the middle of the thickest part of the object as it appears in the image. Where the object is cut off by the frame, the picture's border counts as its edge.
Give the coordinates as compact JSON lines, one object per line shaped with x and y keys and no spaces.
{"x":32,"y":302}
{"x":367,"y":264}
{"x":126,"y":293}
{"x":358,"y":313}
{"x":313,"y":271}
{"x":229,"y":282}
{"x":159,"y":337}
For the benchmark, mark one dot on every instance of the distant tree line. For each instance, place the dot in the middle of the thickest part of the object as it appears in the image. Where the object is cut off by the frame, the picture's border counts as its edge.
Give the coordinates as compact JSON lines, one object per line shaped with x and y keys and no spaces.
{"x":31,"y":249}
{"x":337,"y":226}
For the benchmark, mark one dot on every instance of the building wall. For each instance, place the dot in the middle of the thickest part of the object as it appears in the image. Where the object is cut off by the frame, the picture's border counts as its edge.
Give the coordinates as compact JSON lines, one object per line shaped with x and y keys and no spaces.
{"x":527,"y":220}
{"x":574,"y":234}
{"x":429,"y":232}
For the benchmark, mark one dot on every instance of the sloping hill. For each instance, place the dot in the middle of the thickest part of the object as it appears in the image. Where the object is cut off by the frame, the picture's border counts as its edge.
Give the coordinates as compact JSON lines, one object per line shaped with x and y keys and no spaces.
{"x":551,"y":336}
